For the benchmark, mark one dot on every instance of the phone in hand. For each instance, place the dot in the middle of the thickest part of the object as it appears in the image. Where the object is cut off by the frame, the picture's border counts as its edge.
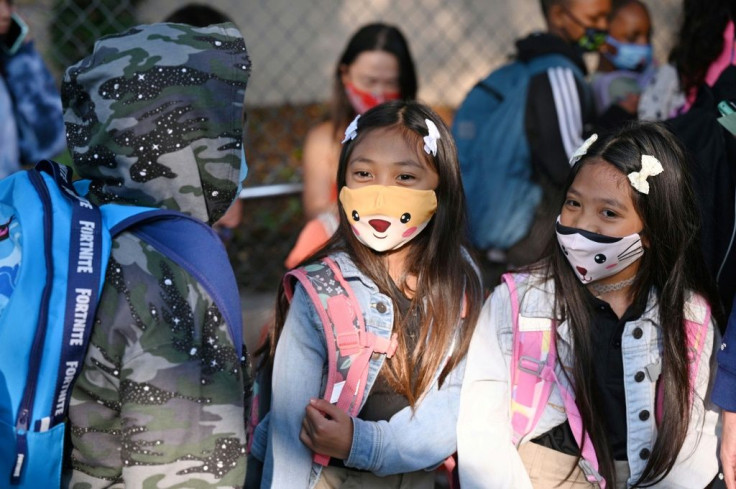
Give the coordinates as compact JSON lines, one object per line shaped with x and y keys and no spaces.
{"x":727,"y":107}
{"x":13,"y":39}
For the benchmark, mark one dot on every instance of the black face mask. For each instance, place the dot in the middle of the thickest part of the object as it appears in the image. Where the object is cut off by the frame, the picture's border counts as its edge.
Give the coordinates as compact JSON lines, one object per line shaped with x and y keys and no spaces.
{"x":592,"y":39}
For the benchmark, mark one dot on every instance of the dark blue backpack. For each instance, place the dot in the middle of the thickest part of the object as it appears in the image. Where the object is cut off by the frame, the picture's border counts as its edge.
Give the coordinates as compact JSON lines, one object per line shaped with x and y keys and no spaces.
{"x":495,"y":159}
{"x":46,"y":322}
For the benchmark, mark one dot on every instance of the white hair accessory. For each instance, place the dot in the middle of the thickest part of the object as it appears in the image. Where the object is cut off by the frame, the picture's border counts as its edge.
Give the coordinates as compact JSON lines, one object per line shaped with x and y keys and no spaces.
{"x":650,"y":166}
{"x":430,"y":140}
{"x":580,"y":152}
{"x":352,"y":130}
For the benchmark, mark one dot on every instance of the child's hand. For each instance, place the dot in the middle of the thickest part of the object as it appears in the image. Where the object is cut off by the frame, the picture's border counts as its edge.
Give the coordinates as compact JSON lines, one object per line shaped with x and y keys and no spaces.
{"x":327,"y":429}
{"x":630,"y":103}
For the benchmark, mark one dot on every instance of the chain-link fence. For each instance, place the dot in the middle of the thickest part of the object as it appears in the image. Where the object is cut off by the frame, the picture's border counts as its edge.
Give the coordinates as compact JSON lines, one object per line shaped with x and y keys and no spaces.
{"x":294,"y":47}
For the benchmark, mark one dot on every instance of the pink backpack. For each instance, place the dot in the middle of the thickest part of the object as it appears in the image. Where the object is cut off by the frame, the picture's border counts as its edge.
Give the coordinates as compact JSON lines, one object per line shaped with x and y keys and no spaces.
{"x":349,"y":345}
{"x":349,"y":349}
{"x":533,"y":360}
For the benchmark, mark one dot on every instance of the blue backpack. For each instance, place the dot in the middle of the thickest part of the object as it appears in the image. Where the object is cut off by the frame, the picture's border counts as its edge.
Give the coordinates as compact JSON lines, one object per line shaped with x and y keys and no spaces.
{"x":45,"y":324}
{"x":495,"y":159}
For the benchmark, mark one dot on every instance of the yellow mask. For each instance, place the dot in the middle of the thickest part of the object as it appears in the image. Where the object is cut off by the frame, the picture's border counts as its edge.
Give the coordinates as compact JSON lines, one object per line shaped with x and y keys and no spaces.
{"x":387,"y":217}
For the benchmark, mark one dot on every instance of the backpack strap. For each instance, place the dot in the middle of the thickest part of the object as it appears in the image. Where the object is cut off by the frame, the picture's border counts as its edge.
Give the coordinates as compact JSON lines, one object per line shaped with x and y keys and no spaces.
{"x":533,"y":356}
{"x":84,"y":284}
{"x":191,"y":244}
{"x":697,"y":321}
{"x":533,"y":359}
{"x":349,"y":345}
{"x":195,"y":247}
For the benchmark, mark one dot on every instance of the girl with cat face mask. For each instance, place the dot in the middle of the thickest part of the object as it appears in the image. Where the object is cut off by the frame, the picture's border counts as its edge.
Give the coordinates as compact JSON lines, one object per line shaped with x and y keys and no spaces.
{"x":592,"y":367}
{"x":400,"y":248}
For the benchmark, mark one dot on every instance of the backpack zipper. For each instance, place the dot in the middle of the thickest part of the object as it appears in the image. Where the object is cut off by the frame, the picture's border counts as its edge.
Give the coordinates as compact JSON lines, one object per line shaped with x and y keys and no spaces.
{"x":34,"y":364}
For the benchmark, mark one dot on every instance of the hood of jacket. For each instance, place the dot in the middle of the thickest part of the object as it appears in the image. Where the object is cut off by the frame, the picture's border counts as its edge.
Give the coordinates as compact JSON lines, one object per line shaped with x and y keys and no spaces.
{"x":154,"y":117}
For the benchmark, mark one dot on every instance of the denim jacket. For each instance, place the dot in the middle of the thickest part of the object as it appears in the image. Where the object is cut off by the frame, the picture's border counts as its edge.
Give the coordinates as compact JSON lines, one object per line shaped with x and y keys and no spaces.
{"x":409,"y":441}
{"x":488,"y":458}
{"x":724,"y":390}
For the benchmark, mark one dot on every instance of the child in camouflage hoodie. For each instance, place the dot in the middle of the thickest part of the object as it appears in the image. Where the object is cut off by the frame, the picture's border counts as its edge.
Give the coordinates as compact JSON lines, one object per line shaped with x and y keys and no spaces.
{"x":154,"y":118}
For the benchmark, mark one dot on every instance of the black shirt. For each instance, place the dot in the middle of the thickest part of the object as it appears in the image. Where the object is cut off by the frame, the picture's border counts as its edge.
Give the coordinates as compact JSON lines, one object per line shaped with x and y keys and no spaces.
{"x":383,"y":401}
{"x":608,"y":376}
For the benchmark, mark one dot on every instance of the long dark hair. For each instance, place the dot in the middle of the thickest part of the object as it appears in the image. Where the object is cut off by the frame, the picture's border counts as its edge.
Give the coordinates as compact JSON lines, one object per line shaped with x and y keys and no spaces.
{"x":672,"y":267}
{"x":448,"y":283}
{"x":371,"y":37}
{"x":700,"y":40}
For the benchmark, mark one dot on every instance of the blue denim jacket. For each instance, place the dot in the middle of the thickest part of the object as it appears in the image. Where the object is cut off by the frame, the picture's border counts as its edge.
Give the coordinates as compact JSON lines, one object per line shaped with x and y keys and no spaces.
{"x":484,"y":427}
{"x":409,"y":441}
{"x":724,"y":390}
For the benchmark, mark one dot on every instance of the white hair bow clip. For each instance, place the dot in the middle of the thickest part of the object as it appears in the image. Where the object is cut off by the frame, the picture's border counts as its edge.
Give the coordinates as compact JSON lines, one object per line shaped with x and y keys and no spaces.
{"x":580,"y":152}
{"x":352,"y":130}
{"x":650,"y":166}
{"x":430,"y":140}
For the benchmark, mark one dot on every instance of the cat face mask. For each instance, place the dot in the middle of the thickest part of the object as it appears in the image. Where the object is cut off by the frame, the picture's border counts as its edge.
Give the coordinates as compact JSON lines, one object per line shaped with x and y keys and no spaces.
{"x":387,"y":217}
{"x":595,"y":256}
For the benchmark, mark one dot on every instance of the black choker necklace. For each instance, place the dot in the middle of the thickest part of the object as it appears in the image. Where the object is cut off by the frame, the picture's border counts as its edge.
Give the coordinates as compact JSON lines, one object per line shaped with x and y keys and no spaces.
{"x":600,"y":289}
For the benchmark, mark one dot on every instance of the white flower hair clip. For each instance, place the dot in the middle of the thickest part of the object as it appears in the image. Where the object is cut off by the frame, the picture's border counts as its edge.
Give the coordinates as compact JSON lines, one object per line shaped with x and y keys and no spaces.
{"x":650,"y":166}
{"x":430,"y":140}
{"x":352,"y":130}
{"x":580,"y":152}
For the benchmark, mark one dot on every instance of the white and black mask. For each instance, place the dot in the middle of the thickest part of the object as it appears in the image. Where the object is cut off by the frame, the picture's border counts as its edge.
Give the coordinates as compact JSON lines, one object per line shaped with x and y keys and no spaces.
{"x":595,"y":256}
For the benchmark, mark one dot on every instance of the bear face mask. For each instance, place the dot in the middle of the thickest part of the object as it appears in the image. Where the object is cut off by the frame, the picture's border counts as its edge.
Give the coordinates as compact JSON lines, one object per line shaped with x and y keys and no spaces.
{"x":595,"y":256}
{"x":387,"y":217}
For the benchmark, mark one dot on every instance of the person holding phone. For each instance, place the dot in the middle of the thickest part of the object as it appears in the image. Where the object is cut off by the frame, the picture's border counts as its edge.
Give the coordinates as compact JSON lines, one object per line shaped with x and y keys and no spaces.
{"x":31,"y":123}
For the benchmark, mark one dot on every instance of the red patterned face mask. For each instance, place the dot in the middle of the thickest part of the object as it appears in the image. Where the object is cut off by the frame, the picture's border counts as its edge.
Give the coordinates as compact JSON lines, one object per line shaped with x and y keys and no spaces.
{"x":362,"y":100}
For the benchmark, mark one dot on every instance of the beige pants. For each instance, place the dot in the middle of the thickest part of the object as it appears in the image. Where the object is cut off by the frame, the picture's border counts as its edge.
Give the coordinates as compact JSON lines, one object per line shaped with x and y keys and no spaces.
{"x":548,"y":469}
{"x":340,"y":478}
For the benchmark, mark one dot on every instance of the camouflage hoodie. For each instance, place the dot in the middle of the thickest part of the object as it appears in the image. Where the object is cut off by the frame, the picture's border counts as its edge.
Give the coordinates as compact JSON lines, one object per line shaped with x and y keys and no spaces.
{"x":154,"y":118}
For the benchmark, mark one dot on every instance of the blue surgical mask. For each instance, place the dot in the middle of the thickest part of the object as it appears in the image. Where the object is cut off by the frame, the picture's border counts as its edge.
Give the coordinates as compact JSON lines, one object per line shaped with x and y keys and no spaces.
{"x":243,"y":170}
{"x":628,"y":56}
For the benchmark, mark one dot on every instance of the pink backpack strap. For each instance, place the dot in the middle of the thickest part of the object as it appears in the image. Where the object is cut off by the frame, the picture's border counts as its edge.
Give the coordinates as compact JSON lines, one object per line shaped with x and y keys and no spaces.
{"x":533,"y":360}
{"x":349,"y":345}
{"x":533,"y":355}
{"x":697,"y":321}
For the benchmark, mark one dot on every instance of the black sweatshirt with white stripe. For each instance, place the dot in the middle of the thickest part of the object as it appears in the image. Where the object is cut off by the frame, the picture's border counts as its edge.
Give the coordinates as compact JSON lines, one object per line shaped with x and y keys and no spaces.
{"x":559,"y":110}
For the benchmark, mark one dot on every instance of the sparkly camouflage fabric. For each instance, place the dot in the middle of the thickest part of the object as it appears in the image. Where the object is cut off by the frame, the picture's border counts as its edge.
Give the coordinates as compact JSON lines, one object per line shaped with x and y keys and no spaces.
{"x":160,"y":400}
{"x":154,"y":117}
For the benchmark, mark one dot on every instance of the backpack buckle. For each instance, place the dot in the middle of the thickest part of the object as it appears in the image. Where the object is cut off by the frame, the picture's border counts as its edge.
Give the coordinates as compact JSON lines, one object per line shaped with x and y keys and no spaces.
{"x":377,"y":344}
{"x":349,"y":342}
{"x":531,"y":366}
{"x":653,"y":370}
{"x":591,"y":474}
